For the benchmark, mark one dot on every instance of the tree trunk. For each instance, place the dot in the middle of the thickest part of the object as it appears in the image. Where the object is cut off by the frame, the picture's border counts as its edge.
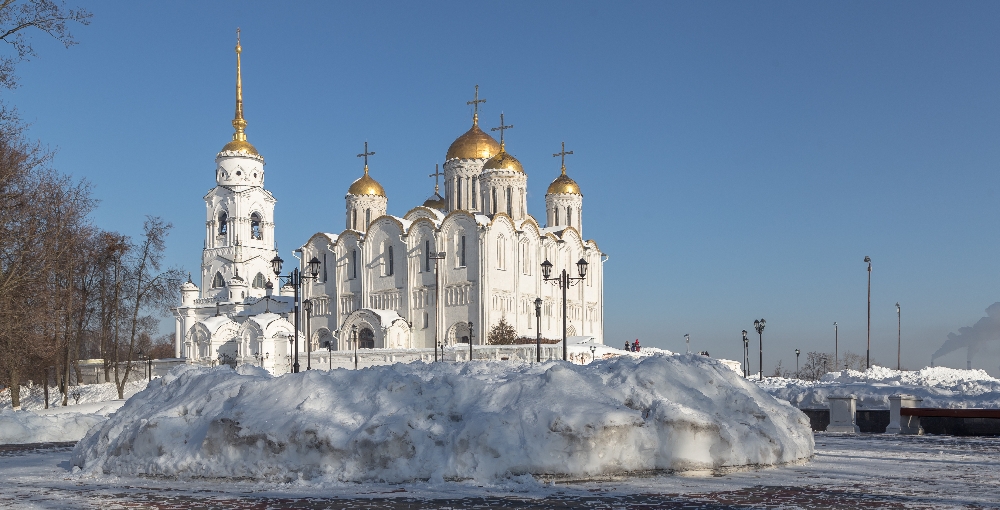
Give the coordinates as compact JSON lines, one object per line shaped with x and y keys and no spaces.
{"x":15,"y":388}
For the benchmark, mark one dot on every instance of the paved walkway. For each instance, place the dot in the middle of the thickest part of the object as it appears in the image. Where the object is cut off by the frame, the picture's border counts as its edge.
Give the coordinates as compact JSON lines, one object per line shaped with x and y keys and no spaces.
{"x":865,"y":471}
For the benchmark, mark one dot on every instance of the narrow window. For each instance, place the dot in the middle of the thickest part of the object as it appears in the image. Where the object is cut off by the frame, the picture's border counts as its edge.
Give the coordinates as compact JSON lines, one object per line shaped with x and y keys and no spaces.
{"x":218,"y":282}
{"x":473,"y":194}
{"x":354,"y":263}
{"x":223,"y":223}
{"x":426,"y":321}
{"x":458,"y":192}
{"x":569,"y":216}
{"x":388,"y":269}
{"x":493,"y":208}
{"x":557,"y":216}
{"x":258,"y":281}
{"x":461,"y":253}
{"x":255,"y":230}
{"x":354,"y":219}
{"x":510,"y":203}
{"x":427,"y":255}
{"x":368,"y":218}
{"x":324,"y":267}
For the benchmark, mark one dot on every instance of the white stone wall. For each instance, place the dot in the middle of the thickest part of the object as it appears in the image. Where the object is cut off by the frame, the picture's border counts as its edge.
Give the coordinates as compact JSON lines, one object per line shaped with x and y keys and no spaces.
{"x":564,"y":210}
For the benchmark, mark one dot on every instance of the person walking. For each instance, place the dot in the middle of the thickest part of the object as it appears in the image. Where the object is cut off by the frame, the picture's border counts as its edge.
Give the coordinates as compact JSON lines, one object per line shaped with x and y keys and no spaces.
{"x":635,"y":346}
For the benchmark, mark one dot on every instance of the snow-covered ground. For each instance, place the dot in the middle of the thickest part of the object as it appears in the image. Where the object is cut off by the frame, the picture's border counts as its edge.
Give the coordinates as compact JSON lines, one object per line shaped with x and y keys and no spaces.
{"x":479,"y":420}
{"x":937,"y":386}
{"x":847,"y":471}
{"x":33,"y":397}
{"x":53,"y":425}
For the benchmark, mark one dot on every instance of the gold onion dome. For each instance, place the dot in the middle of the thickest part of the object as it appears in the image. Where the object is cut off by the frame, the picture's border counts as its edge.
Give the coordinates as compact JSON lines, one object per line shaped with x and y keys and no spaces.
{"x":503,"y":161}
{"x":474,"y":144}
{"x":239,"y":142}
{"x":366,"y":186}
{"x":436,"y":201}
{"x":563,"y":184}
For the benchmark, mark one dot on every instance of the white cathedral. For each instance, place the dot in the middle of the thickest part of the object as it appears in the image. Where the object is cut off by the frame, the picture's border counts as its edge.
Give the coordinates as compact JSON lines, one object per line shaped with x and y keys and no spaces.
{"x":445,"y":272}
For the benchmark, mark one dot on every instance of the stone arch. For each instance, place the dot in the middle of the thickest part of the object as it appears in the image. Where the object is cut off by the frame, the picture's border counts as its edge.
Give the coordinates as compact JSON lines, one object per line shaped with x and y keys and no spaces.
{"x":458,"y":333}
{"x":323,"y":337}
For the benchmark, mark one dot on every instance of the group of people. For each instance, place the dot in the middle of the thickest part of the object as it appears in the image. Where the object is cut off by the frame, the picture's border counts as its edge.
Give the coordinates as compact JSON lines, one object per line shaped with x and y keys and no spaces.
{"x":632,"y":347}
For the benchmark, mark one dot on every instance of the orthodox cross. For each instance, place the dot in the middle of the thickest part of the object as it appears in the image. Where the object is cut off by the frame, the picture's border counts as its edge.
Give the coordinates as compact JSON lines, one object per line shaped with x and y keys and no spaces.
{"x":475,"y":104}
{"x":501,"y":127}
{"x":365,"y":154}
{"x":435,"y":175}
{"x":563,"y":155}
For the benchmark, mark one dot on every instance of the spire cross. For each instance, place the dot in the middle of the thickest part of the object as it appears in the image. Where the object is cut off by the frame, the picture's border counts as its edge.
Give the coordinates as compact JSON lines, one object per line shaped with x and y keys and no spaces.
{"x":563,"y":155}
{"x":475,"y":104}
{"x":365,"y":155}
{"x":435,"y":175}
{"x":500,"y":128}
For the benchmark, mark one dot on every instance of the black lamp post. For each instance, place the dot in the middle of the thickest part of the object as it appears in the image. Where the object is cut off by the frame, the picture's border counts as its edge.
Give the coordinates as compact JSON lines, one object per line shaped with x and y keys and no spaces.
{"x":759,"y":326}
{"x":329,"y":351}
{"x":746,"y":355}
{"x":797,"y":363}
{"x":307,"y":305}
{"x":538,"y":330}
{"x":899,"y":337}
{"x":295,"y":280}
{"x":593,"y":353}
{"x":687,"y":342}
{"x":564,"y":280}
{"x":470,"y":341}
{"x":836,"y":341}
{"x":868,"y":353}
{"x":354,"y":337}
{"x":437,"y":257}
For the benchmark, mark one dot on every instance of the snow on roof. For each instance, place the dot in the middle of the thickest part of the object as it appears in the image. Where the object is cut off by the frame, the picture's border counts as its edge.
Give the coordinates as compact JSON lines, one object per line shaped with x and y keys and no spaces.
{"x":264,"y":319}
{"x":482,"y":219}
{"x":215,"y":322}
{"x":386,"y":317}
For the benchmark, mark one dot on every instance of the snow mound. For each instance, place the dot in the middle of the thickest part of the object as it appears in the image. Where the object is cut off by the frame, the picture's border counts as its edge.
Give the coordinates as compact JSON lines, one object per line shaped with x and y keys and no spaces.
{"x":434,"y":421}
{"x":19,"y":427}
{"x":938,"y":386}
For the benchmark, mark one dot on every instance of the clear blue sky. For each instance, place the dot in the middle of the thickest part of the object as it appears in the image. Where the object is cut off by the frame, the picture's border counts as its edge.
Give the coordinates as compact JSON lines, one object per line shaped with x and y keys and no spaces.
{"x":738,"y":160}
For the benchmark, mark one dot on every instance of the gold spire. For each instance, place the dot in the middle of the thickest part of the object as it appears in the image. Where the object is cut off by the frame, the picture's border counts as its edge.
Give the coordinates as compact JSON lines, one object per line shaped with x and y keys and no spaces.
{"x":239,"y":143}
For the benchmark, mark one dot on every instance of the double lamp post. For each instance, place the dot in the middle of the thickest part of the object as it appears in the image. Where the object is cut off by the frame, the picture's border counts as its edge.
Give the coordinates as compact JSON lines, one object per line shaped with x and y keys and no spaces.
{"x":295,"y":280}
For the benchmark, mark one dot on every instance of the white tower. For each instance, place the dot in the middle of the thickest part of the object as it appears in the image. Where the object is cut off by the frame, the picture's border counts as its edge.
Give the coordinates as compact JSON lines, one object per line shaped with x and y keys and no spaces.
{"x":365,"y":199}
{"x":563,"y":200}
{"x":239,"y":230}
{"x":464,"y":162}
{"x":504,"y":183}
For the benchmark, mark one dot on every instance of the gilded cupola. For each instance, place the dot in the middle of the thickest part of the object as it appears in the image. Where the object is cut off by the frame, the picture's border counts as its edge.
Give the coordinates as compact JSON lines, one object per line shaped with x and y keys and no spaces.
{"x":563,"y":184}
{"x":366,"y":185}
{"x":239,"y":142}
{"x":503,"y":160}
{"x":475,"y":143}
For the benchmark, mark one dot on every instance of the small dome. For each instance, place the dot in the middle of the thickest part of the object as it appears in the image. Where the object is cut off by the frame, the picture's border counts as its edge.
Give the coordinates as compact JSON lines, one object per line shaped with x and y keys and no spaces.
{"x":503,"y":161}
{"x":563,"y":184}
{"x":436,"y":201}
{"x":240,"y":146}
{"x":366,"y":186}
{"x":474,"y":144}
{"x":188,"y":286}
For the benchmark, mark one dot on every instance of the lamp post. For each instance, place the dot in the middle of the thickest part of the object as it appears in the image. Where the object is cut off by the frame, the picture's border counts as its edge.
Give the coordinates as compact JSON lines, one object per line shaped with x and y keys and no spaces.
{"x":593,"y":353}
{"x":437,"y":257}
{"x":354,"y":338}
{"x":797,"y":363}
{"x":836,"y":340}
{"x":868,"y":353}
{"x":538,"y":330}
{"x":295,"y":280}
{"x":470,"y":341}
{"x":687,"y":342}
{"x":307,"y":305}
{"x":329,"y":353}
{"x":746,"y":355}
{"x":564,"y":280}
{"x":899,"y":337}
{"x":759,"y":326}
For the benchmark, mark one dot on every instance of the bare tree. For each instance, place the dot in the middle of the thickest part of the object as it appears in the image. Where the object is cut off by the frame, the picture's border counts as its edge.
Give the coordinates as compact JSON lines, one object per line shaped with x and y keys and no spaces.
{"x":16,"y":20}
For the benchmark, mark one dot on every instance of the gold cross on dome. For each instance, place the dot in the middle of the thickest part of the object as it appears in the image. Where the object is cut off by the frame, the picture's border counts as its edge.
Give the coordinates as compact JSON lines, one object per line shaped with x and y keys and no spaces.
{"x":475,"y":105}
{"x":365,"y":154}
{"x":563,"y":155}
{"x":435,"y":175}
{"x":501,"y":128}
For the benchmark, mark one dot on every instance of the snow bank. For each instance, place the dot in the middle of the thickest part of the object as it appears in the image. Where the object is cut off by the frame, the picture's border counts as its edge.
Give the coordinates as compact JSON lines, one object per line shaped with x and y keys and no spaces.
{"x":442,"y":420}
{"x":938,"y":386}
{"x":33,"y":397}
{"x":18,"y":427}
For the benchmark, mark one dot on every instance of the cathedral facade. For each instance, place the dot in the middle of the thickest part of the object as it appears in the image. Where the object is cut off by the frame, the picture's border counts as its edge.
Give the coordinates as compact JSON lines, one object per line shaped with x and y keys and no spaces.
{"x":446,"y":272}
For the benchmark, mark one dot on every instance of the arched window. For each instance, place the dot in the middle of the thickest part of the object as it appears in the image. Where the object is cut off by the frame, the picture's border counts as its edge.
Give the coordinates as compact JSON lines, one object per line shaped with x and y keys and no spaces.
{"x":510,"y":203}
{"x":500,"y":252}
{"x":258,"y":281}
{"x":354,"y":219}
{"x":426,"y":320}
{"x":388,"y":260}
{"x":461,"y":252}
{"x":427,"y":255}
{"x":354,"y":264}
{"x":218,"y":282}
{"x":494,"y":201}
{"x":557,"y":216}
{"x":366,"y":339}
{"x":569,"y":216}
{"x":223,"y":223}
{"x":458,"y":191}
{"x":255,"y":230}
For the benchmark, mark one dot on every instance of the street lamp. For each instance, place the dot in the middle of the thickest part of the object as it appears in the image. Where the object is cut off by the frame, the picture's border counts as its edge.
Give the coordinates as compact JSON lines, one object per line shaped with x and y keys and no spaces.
{"x":329,"y":353}
{"x":759,"y":326}
{"x":746,"y":355}
{"x":899,"y":336}
{"x":687,"y":341}
{"x":868,"y":353}
{"x":538,"y":330}
{"x":354,"y":337}
{"x":470,"y":341}
{"x":836,"y":340}
{"x":564,"y":280}
{"x":593,"y":353}
{"x":436,"y":257}
{"x":797,"y":363}
{"x":307,"y":305}
{"x":295,"y":280}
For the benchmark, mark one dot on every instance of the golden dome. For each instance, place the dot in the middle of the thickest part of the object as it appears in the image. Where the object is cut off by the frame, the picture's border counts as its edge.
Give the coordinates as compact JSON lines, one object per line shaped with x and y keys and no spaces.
{"x":366,"y":186}
{"x":436,"y":201}
{"x":240,"y":146}
{"x":474,"y":144}
{"x":503,"y":161}
{"x":563,"y":184}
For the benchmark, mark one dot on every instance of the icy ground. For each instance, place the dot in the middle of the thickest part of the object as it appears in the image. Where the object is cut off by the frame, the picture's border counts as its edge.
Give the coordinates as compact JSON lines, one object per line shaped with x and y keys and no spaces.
{"x":937,"y":386}
{"x":441,"y":421}
{"x":863,"y":471}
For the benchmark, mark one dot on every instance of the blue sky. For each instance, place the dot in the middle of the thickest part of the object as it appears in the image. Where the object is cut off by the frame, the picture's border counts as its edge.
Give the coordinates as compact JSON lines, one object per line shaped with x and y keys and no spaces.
{"x":738,"y":160}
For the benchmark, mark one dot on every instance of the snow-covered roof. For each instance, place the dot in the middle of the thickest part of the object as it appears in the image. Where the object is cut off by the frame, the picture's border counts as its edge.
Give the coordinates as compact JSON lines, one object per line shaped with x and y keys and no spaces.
{"x":215,"y":322}
{"x":264,"y":319}
{"x":386,"y":317}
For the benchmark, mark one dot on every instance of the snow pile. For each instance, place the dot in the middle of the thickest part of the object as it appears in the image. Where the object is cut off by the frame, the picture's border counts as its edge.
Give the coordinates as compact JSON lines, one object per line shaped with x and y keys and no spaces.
{"x":938,"y":386}
{"x":442,"y":420}
{"x":33,"y":397}
{"x":18,"y":427}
